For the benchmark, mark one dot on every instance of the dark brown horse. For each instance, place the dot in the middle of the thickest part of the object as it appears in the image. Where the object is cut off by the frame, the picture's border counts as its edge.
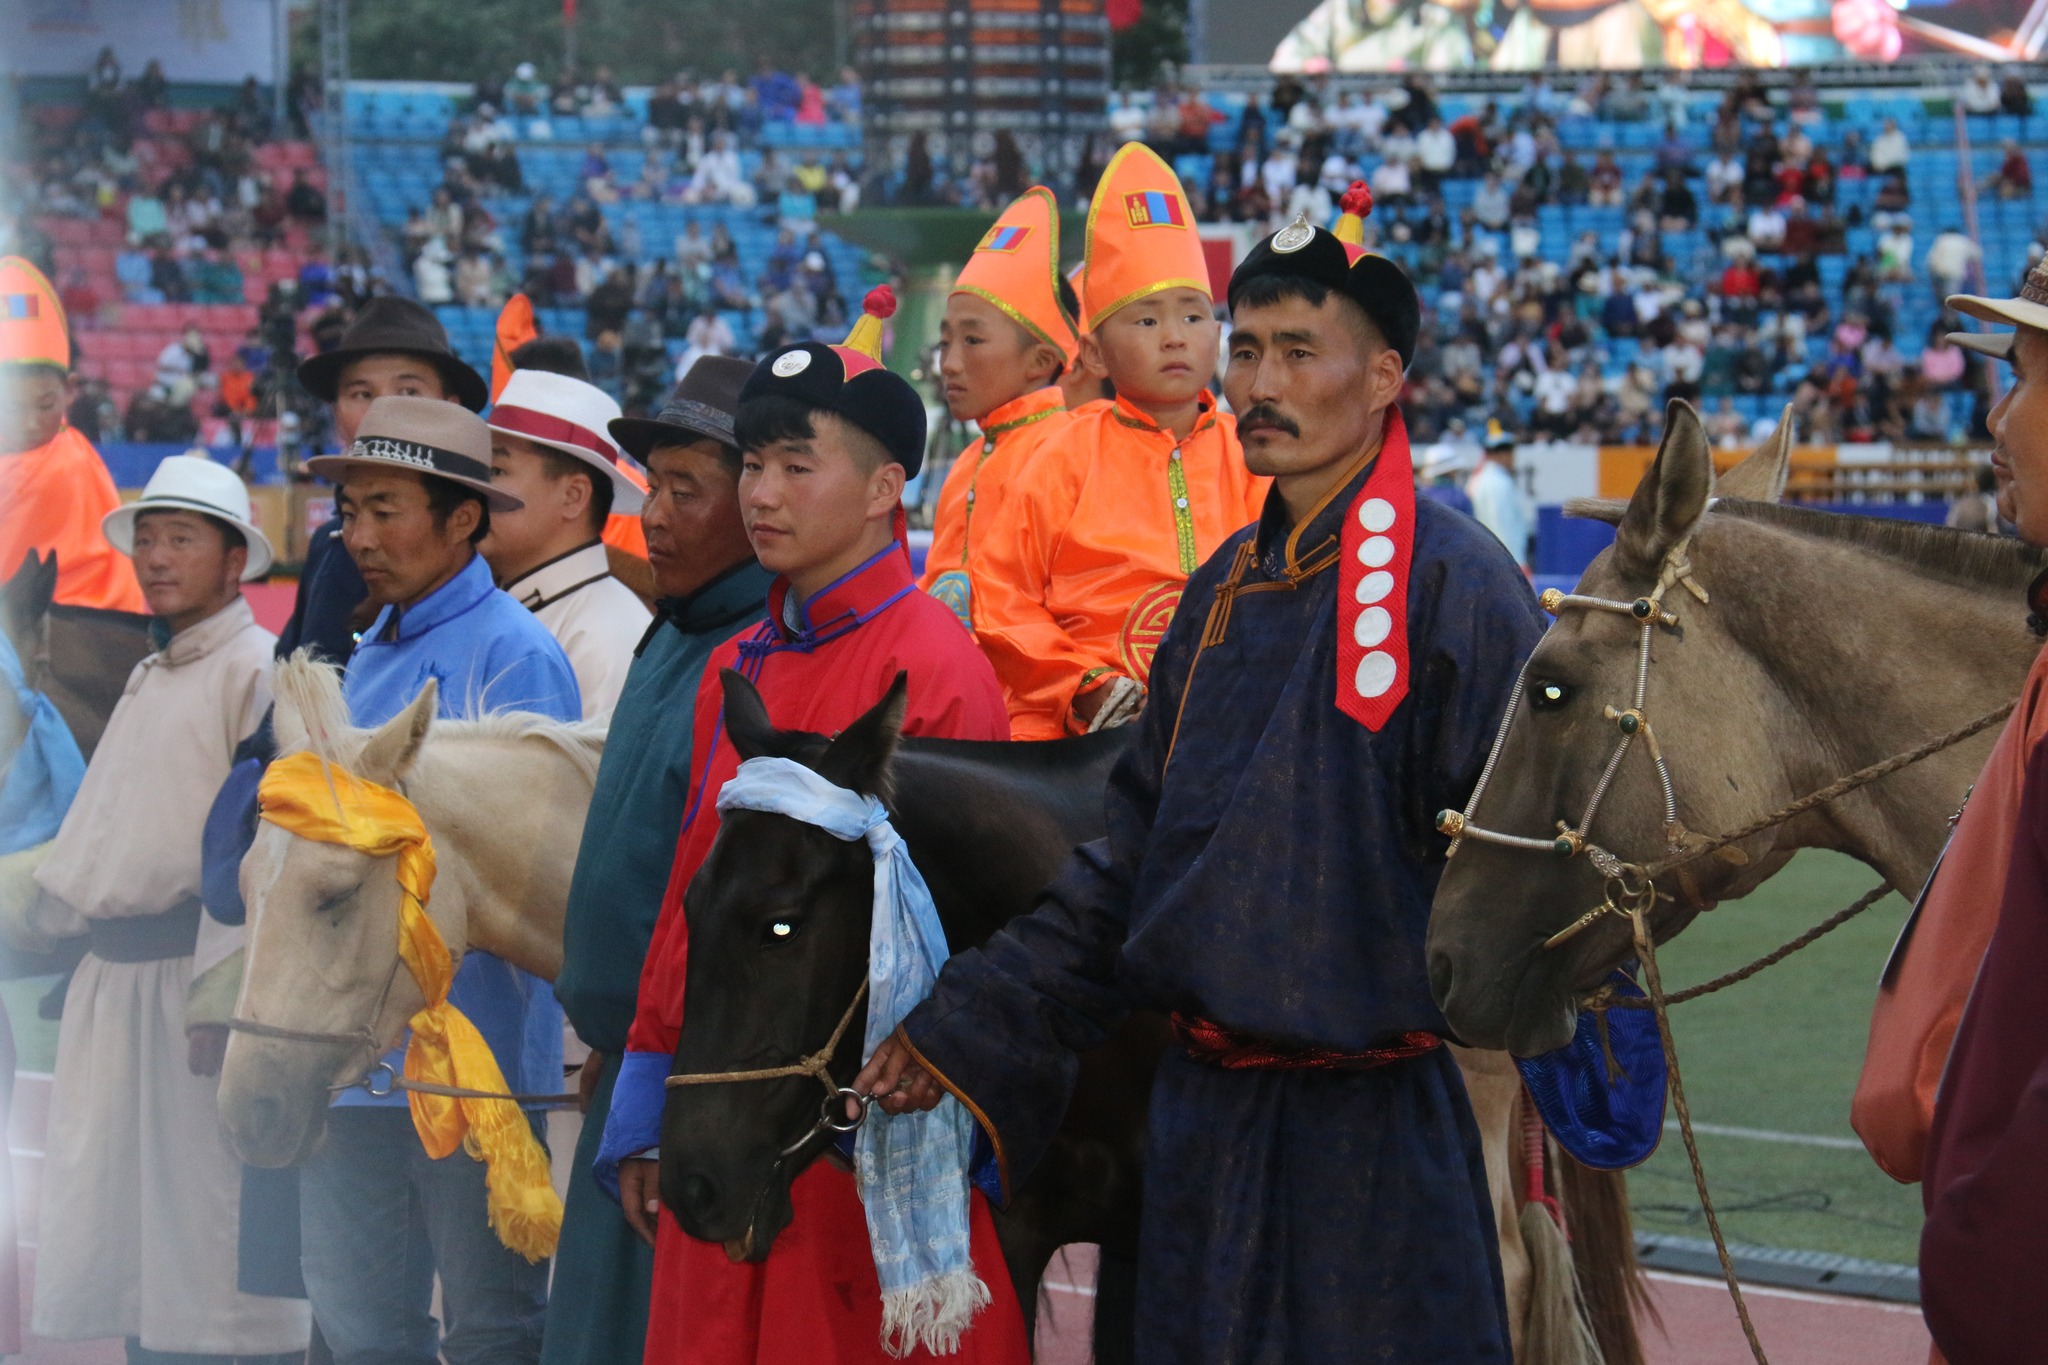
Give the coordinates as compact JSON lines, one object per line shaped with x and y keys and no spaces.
{"x":79,"y":657}
{"x":988,"y":825}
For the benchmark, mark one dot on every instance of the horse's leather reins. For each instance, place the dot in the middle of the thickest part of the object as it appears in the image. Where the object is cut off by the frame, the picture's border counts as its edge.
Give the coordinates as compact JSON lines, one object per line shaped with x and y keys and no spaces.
{"x":1631,"y":891}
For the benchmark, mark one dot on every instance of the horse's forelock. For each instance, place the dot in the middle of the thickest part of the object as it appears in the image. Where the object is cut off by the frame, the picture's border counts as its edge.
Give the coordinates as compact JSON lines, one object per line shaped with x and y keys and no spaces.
{"x":311,"y":715}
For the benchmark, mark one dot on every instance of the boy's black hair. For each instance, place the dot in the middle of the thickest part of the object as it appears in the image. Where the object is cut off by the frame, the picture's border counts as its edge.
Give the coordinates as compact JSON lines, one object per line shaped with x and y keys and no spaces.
{"x":552,"y":355}
{"x":769,"y":418}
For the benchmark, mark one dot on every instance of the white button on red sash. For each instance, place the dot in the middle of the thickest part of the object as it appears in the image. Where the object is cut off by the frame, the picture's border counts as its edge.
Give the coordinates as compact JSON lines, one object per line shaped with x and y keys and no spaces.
{"x":1372,"y":607}
{"x":1376,"y":671}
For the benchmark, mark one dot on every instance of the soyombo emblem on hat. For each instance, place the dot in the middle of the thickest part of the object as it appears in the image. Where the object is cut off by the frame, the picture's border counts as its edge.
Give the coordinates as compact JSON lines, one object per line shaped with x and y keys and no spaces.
{"x":1294,"y":236}
{"x":1155,"y":208}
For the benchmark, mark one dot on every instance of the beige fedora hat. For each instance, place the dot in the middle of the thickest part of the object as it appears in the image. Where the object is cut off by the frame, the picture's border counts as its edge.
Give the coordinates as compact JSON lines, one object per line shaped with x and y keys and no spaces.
{"x":2029,"y":309}
{"x":193,"y":483}
{"x":429,"y":436}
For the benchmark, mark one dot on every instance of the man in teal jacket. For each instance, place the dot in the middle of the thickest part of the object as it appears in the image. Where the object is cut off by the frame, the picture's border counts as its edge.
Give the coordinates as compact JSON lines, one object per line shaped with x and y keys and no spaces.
{"x":711,"y":589}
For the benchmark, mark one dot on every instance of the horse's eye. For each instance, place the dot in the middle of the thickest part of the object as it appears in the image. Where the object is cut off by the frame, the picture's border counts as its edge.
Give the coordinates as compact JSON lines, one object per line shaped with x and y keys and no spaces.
{"x":1549,"y":696}
{"x":781,"y":930}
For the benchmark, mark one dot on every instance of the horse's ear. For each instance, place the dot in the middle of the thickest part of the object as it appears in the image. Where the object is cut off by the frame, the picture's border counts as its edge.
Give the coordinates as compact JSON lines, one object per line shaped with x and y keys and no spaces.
{"x":746,"y":716}
{"x":1672,"y":496}
{"x":395,"y":746}
{"x":859,"y":758}
{"x":1762,"y":474}
{"x":42,"y":584}
{"x":26,"y":597}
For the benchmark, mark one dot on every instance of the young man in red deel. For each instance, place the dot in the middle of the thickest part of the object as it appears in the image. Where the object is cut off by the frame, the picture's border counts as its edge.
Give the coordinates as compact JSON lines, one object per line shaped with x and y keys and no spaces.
{"x":828,"y":439}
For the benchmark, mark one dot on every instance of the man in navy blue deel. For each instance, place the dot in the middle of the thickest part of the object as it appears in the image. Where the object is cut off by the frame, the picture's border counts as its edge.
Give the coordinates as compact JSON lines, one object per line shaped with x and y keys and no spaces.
{"x":379,"y":1218}
{"x":1314,"y":1186}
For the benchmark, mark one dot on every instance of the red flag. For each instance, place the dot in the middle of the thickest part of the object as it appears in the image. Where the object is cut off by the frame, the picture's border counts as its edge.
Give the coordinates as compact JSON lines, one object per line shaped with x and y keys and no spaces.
{"x":1122,"y":13}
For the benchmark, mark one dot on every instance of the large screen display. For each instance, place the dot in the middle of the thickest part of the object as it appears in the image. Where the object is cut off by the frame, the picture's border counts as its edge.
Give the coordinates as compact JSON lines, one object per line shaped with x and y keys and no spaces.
{"x":1522,"y":35}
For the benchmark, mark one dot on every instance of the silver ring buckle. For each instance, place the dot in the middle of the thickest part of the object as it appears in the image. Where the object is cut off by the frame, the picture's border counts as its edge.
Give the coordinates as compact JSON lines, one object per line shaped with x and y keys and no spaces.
{"x":369,"y":1081}
{"x":832,"y":1114}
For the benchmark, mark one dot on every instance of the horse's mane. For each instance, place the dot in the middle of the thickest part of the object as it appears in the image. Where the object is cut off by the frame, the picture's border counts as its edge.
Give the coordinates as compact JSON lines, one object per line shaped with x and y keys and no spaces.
{"x":311,"y":715}
{"x":1969,"y":558}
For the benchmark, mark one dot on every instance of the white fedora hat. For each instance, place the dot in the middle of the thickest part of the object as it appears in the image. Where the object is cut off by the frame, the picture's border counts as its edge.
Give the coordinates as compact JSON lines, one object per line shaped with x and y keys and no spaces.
{"x":2029,"y":309}
{"x":570,"y":416}
{"x":193,"y":483}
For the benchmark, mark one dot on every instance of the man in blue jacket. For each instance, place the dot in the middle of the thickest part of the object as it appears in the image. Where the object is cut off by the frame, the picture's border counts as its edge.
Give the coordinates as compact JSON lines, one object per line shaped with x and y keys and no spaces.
{"x":380,"y":1218}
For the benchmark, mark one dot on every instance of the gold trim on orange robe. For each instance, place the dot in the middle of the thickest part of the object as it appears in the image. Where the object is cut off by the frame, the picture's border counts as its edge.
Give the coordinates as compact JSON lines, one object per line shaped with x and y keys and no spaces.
{"x":1084,"y":561}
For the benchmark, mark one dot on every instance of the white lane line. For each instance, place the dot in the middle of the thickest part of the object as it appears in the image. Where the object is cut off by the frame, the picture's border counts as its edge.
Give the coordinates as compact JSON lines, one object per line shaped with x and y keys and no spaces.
{"x":1838,"y":1144}
{"x":1765,"y":1291}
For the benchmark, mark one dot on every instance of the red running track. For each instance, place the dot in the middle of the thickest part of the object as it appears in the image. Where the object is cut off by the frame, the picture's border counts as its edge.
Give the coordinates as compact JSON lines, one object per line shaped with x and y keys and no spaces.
{"x":1700,"y":1327}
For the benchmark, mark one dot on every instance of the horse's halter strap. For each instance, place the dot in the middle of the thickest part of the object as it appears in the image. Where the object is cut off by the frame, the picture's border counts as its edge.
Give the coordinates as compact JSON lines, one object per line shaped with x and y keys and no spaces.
{"x":1627,"y":883}
{"x":817,"y":1065}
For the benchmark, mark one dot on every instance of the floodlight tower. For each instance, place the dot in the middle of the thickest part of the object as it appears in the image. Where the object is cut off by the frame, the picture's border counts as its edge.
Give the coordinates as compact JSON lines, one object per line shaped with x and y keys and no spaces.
{"x":334,"y":148}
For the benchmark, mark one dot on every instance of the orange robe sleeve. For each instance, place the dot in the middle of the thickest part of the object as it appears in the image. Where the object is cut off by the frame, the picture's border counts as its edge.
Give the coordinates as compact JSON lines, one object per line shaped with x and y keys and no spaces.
{"x":1920,"y":1003}
{"x":52,"y":499}
{"x":1085,"y":559}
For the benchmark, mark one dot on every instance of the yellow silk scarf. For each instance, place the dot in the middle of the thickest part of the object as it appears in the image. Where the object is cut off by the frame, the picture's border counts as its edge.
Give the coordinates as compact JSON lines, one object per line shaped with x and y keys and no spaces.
{"x":304,"y":795}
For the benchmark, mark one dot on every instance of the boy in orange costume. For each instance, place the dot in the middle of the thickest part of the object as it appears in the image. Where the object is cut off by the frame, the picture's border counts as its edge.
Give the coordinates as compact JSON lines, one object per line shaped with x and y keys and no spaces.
{"x":1003,"y":345}
{"x":54,"y":489}
{"x":1097,"y":533}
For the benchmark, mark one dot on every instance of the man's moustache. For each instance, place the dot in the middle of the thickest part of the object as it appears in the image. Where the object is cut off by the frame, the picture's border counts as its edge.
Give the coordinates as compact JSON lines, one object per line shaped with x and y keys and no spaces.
{"x":1266,"y":416}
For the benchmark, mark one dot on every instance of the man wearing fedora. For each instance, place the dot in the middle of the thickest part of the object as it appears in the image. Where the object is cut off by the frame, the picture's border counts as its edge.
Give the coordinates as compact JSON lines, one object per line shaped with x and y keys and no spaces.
{"x":1970,"y":1118}
{"x":415,"y":493}
{"x":142,"y":1191}
{"x":394,"y":346}
{"x":710,"y":589}
{"x":551,"y":448}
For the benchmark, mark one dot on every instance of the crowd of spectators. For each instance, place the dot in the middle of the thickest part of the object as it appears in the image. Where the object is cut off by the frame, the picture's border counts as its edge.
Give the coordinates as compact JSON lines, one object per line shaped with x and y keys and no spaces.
{"x":1711,"y":289}
{"x":196,"y":200}
{"x":456,"y":249}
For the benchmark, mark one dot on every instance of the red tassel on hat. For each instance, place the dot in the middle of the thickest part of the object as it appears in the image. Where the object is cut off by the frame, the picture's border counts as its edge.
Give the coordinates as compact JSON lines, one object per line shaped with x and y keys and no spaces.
{"x":1356,"y":204}
{"x":866,"y":336}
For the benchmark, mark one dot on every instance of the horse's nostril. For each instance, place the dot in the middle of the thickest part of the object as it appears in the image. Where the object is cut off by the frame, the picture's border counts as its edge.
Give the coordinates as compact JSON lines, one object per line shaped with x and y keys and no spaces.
{"x":699,"y":1193}
{"x":265,"y":1112}
{"x":1440,"y":973}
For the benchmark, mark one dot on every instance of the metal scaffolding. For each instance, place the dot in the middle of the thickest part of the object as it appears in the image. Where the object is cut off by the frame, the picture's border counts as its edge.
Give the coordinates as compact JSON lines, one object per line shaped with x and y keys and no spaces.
{"x":334,"y":142}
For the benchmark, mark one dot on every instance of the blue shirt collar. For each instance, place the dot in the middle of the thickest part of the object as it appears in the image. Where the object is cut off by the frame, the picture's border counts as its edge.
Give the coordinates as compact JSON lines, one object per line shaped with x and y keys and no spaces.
{"x":458,"y":596}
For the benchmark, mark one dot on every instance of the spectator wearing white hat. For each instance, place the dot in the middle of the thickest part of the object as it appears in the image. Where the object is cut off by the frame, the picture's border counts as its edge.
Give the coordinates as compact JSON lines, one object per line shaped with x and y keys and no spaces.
{"x":551,"y":448}
{"x":142,"y":1192}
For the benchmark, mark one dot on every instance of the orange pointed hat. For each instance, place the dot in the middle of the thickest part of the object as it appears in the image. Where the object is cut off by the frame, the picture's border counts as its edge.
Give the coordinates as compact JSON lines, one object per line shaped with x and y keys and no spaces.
{"x":31,"y":319}
{"x":1017,"y":268}
{"x":1141,"y":236}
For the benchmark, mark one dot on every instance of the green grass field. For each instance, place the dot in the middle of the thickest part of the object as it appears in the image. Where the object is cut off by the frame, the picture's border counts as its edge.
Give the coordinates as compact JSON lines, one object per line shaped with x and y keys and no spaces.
{"x":1781,"y":1052}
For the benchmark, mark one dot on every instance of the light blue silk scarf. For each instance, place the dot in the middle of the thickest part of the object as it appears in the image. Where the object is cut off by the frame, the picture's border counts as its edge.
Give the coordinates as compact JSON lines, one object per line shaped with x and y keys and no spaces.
{"x":45,"y":771}
{"x":912,"y":1169}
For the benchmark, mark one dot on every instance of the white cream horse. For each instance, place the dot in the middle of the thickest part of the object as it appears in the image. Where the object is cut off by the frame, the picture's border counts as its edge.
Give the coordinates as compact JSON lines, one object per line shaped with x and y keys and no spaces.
{"x":503,"y":799}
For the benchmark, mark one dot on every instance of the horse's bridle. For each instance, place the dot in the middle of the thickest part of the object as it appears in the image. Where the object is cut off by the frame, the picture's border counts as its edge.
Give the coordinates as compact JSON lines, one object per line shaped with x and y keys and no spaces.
{"x":1631,"y":890}
{"x":362,"y":1039}
{"x":817,"y":1065}
{"x":1629,"y":885}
